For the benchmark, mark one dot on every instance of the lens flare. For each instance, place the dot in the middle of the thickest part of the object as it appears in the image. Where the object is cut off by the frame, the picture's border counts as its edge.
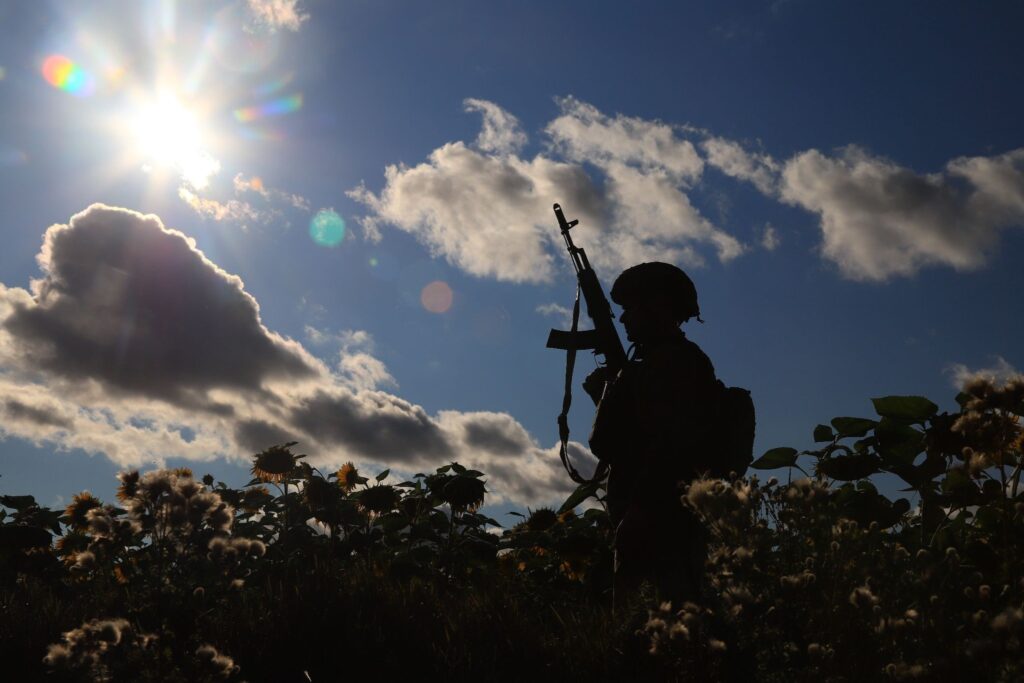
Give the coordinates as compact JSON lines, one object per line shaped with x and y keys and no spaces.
{"x":283,"y":105}
{"x":63,"y":74}
{"x":327,"y":228}
{"x":3,"y":73}
{"x":437,"y":297}
{"x":383,"y":266}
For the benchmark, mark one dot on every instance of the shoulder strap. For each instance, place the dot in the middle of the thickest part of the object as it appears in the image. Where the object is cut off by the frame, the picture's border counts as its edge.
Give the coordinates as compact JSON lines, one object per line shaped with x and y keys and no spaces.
{"x":563,"y":417}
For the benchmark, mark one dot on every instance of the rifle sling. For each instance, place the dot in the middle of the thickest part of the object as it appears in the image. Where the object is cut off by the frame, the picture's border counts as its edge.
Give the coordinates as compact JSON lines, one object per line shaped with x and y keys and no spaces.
{"x":563,"y":417}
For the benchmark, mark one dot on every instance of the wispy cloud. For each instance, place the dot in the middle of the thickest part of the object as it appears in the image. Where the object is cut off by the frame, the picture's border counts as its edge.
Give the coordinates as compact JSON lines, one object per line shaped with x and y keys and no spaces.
{"x":562,"y":313}
{"x":271,"y":201}
{"x":256,"y":185}
{"x":500,"y":132}
{"x":770,"y":239}
{"x":733,"y":160}
{"x":233,"y":209}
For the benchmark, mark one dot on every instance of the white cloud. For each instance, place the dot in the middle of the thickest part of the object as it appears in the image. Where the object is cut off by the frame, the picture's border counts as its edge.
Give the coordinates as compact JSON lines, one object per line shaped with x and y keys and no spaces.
{"x":316,"y":336}
{"x":362,"y":372}
{"x":501,"y":133}
{"x":663,"y":224}
{"x":563,"y":313}
{"x":1000,"y":372}
{"x":359,"y":369}
{"x":276,"y":14}
{"x":232,"y":209}
{"x":134,"y":345}
{"x":255,"y":184}
{"x":239,"y":210}
{"x":733,"y":160}
{"x":584,"y":134}
{"x":485,"y":214}
{"x":627,"y":179}
{"x":356,"y":340}
{"x":881,"y":220}
{"x":489,"y":213}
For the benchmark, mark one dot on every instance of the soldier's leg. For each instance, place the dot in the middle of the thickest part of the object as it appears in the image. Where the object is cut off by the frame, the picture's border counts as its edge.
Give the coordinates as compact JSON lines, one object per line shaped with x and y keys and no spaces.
{"x":634,"y":558}
{"x":679,"y":566}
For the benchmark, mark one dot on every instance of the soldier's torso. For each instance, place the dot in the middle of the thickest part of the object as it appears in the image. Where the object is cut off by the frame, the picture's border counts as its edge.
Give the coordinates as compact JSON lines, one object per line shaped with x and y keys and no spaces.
{"x":654,"y":424}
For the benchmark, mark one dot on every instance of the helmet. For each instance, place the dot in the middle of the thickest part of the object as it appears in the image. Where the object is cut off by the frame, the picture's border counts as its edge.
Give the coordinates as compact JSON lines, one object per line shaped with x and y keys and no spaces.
{"x":654,"y":280}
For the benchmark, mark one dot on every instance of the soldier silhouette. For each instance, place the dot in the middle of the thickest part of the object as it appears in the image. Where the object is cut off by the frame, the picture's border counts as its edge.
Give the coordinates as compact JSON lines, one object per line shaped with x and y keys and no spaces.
{"x":653,"y":427}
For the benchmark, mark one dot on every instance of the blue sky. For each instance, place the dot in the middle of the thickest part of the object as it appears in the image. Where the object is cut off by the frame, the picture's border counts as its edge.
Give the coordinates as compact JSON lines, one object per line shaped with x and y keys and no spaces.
{"x":843,"y":181}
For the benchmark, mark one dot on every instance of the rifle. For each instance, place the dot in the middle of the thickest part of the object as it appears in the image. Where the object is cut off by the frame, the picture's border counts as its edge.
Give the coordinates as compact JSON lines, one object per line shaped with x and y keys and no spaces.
{"x":603,"y":339}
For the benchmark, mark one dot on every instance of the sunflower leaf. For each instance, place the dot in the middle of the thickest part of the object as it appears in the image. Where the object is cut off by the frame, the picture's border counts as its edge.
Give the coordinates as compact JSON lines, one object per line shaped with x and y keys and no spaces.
{"x":776,"y":457}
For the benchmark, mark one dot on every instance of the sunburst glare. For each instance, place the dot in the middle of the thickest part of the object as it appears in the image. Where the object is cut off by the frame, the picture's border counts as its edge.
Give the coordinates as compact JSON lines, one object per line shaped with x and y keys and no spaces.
{"x":166,"y":133}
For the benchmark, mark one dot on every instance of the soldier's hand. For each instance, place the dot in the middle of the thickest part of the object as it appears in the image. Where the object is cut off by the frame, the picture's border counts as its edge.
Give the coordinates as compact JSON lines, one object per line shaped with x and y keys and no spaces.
{"x":595,"y":382}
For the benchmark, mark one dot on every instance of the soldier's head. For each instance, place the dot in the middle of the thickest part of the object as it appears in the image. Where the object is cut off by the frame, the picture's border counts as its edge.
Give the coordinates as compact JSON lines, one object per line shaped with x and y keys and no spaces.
{"x":656,"y":298}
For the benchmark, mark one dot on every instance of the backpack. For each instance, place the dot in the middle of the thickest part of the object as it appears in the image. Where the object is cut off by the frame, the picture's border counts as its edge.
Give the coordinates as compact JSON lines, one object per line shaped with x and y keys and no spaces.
{"x":736,"y":422}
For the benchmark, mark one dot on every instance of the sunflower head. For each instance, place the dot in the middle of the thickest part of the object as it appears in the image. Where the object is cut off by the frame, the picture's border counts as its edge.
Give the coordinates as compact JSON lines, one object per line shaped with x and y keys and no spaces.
{"x":79,"y":508}
{"x":129,"y":485}
{"x":380,"y":499}
{"x":541,"y":519}
{"x":253,"y":498}
{"x":319,"y":493}
{"x":275,"y":463}
{"x":70,"y":544}
{"x":463,"y":492}
{"x":348,"y":477}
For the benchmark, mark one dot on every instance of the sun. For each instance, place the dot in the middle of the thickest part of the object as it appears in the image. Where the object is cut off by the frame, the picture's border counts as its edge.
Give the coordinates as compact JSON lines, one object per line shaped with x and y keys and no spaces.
{"x":166,"y":133}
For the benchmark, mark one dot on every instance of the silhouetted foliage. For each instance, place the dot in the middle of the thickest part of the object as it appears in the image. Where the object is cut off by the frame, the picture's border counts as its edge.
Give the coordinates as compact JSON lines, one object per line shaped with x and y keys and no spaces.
{"x":818,"y":578}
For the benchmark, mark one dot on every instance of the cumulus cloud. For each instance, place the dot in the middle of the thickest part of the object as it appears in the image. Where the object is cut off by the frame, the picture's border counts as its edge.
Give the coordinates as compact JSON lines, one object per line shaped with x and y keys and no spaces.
{"x":629,"y":180}
{"x":486,"y":214}
{"x":999,"y":372}
{"x":520,"y":470}
{"x":487,"y":210}
{"x":359,"y":369}
{"x":500,"y":132}
{"x":363,"y":372}
{"x":733,"y":160}
{"x":46,"y":414}
{"x":275,"y":14}
{"x":881,"y":220}
{"x":583,"y":134}
{"x":135,"y":306}
{"x":133,"y":344}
